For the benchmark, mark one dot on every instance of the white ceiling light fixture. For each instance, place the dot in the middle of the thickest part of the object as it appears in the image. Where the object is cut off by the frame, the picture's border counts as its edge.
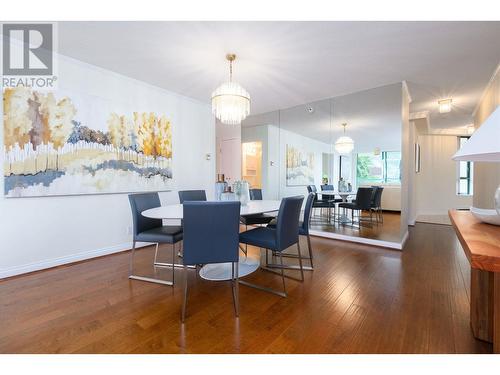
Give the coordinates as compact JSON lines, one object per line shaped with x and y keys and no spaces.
{"x":444,"y":105}
{"x":344,"y":145}
{"x":230,"y":101}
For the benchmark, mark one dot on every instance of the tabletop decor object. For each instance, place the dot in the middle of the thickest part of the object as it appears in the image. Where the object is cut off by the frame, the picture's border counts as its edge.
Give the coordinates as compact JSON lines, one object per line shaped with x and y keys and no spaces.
{"x":242,"y":191}
{"x":220,"y":187}
{"x":484,"y":146}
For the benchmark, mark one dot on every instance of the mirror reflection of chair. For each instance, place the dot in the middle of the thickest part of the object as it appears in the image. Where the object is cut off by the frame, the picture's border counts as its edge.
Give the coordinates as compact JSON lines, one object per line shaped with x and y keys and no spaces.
{"x":278,"y":239}
{"x":377,"y":203}
{"x":321,"y":203}
{"x":303,"y":231}
{"x":363,"y":202}
{"x":211,"y":235}
{"x":151,"y":230}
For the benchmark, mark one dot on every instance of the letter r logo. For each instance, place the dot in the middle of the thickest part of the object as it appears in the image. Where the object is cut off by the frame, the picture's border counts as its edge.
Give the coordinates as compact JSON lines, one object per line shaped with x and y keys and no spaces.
{"x":32,"y":53}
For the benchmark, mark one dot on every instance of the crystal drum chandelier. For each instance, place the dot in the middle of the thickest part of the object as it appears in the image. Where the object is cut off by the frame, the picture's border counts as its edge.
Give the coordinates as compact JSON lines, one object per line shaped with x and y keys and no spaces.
{"x":230,"y":101}
{"x":344,"y":145}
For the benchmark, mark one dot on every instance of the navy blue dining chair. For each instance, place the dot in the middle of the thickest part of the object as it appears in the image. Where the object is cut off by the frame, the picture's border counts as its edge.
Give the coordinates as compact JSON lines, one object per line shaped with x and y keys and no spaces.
{"x":256,"y":219}
{"x":280,"y":238}
{"x":211,"y":235}
{"x":151,"y":230}
{"x":192,"y":195}
{"x":363,"y":202}
{"x":303,"y":231}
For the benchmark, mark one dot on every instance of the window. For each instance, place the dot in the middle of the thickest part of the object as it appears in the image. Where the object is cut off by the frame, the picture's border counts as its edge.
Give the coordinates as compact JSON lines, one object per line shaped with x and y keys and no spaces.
{"x":384,"y":168}
{"x":465,"y":172}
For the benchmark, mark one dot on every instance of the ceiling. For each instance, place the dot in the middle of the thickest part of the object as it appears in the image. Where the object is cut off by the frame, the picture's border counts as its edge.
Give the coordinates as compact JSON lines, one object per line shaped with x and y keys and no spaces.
{"x":364,"y":112}
{"x":284,"y":64}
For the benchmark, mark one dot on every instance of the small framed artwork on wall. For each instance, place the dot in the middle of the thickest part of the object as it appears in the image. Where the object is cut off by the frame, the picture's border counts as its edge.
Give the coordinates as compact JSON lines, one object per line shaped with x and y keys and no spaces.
{"x":417,"y":158}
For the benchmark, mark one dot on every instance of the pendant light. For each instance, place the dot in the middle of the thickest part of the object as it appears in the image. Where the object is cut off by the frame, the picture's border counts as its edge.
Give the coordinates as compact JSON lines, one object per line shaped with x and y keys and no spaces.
{"x":344,"y":145}
{"x":230,"y":101}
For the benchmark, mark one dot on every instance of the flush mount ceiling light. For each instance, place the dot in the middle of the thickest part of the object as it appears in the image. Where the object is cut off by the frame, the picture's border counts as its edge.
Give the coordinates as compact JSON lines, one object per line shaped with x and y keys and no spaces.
{"x":444,"y":105}
{"x":230,"y":101}
{"x":344,"y":145}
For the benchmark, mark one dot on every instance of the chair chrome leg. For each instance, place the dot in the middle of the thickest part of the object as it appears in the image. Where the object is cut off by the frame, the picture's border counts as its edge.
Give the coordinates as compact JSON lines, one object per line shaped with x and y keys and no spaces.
{"x":173,"y":262}
{"x":143,"y":278}
{"x":184,"y":301}
{"x":156,"y":252}
{"x":300,"y":261}
{"x":131,"y":264}
{"x":235,"y":288}
{"x":283,"y":275}
{"x":179,"y":253}
{"x":310,"y":250}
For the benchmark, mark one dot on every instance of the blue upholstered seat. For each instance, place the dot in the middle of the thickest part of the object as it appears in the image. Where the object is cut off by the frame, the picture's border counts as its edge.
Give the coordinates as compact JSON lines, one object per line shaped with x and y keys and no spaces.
{"x":211,"y":235}
{"x":284,"y":235}
{"x":303,"y":229}
{"x":262,"y":237}
{"x":256,"y":219}
{"x":163,"y":234}
{"x":151,"y":230}
{"x":192,"y":195}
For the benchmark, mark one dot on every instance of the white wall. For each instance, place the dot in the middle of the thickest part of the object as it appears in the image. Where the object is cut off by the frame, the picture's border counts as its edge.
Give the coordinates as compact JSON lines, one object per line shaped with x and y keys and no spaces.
{"x":436,"y":183}
{"x":230,"y":133}
{"x":36,"y":233}
{"x":269,"y":136}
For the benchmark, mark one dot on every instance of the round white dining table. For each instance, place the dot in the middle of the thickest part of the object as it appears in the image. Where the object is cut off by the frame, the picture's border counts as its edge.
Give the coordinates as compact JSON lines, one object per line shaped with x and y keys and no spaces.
{"x":342,"y":218}
{"x":342,"y":194}
{"x":221,"y":271}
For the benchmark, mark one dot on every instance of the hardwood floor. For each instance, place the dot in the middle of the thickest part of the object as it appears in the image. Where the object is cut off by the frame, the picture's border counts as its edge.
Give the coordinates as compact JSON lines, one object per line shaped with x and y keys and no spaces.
{"x":360,"y":299}
{"x":389,"y":230}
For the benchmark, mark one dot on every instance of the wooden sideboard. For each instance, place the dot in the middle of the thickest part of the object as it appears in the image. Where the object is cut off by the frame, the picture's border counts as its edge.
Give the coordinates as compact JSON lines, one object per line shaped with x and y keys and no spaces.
{"x":481,"y":244}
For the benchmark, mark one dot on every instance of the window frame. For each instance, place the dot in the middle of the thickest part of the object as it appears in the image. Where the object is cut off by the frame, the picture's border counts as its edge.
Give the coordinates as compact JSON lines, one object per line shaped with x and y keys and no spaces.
{"x":384,"y":162}
{"x":469,"y":177}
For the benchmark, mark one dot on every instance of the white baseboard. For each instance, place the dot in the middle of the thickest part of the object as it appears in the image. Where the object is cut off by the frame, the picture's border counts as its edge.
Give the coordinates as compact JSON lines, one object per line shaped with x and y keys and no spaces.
{"x":49,"y":263}
{"x":365,"y":241}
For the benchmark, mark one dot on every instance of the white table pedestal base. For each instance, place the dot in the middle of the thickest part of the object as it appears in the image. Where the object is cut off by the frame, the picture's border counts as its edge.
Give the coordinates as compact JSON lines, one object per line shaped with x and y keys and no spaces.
{"x":222,"y":271}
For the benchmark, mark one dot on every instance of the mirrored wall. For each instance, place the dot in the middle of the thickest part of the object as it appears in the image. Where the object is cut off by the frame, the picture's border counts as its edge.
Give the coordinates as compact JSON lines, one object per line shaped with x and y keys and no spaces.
{"x":347,"y":150}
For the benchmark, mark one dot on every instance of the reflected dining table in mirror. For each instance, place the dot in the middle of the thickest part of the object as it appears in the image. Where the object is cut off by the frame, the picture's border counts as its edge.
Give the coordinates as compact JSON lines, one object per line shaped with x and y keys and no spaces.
{"x":248,"y":263}
{"x":342,"y":218}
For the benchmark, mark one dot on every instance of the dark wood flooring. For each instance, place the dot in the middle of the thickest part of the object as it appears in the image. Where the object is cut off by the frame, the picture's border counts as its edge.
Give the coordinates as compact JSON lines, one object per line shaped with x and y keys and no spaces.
{"x":389,"y":230}
{"x":360,"y":299}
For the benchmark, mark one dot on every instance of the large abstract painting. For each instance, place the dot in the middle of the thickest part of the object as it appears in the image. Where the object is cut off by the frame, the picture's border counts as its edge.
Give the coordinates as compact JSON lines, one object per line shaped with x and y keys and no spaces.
{"x":299,"y":167}
{"x":49,"y":149}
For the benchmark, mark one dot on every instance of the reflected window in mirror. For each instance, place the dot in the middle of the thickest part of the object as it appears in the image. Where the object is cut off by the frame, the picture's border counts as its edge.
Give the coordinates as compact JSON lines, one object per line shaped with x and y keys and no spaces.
{"x":384,"y":168}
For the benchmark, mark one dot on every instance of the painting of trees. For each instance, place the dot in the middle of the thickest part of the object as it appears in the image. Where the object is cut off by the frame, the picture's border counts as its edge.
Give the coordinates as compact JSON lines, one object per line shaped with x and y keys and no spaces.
{"x":57,"y":116}
{"x":45,"y":142}
{"x":145,"y":124}
{"x":163,"y":138}
{"x":17,"y":122}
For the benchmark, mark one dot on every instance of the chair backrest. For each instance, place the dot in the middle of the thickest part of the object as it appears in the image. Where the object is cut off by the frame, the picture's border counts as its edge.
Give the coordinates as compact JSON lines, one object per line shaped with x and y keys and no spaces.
{"x":311,"y":189}
{"x":287,"y":223}
{"x":139,"y":203}
{"x":256,"y":194}
{"x":327,"y":187}
{"x":192,"y":195}
{"x":377,"y":198}
{"x":211,"y":232}
{"x":307,"y":212}
{"x":364,"y":198}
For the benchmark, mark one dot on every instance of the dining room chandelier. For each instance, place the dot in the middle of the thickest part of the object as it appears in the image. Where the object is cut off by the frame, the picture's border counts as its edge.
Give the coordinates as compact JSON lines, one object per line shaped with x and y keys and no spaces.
{"x":230,"y":101}
{"x":344,"y":145}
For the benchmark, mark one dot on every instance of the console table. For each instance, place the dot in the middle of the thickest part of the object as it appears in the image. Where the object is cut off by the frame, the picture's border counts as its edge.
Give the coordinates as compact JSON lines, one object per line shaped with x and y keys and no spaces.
{"x":481,"y":244}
